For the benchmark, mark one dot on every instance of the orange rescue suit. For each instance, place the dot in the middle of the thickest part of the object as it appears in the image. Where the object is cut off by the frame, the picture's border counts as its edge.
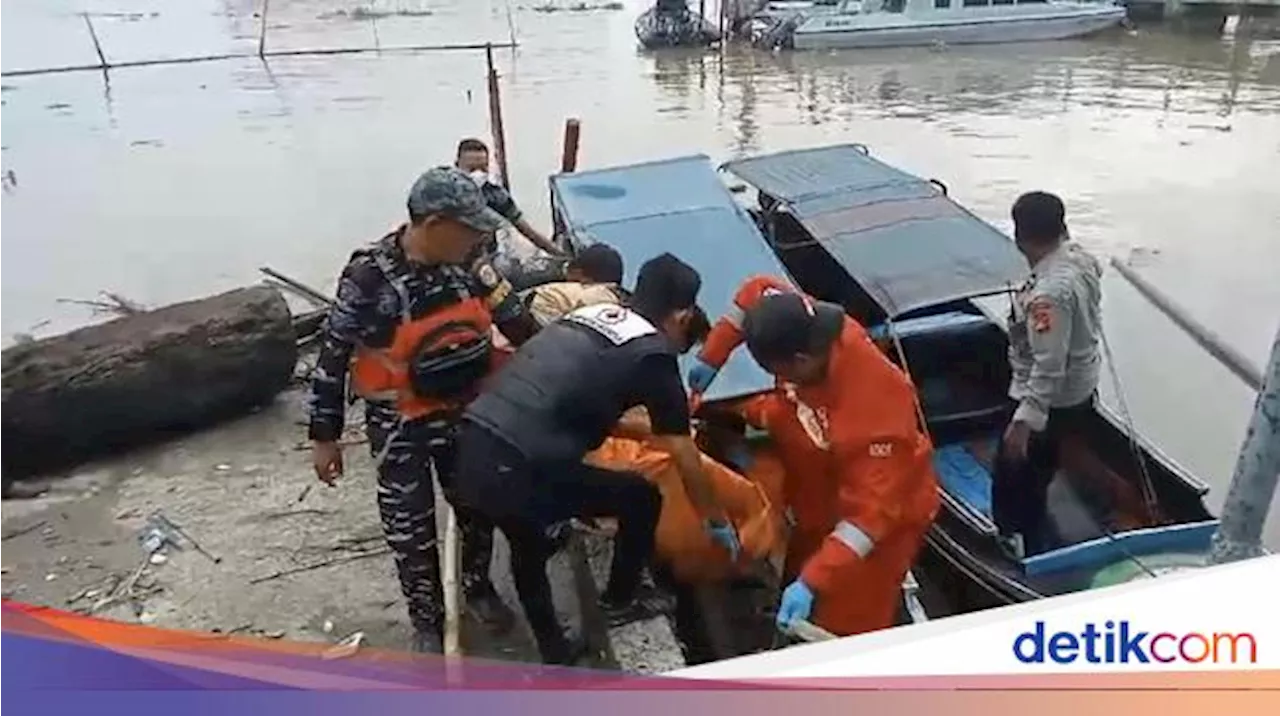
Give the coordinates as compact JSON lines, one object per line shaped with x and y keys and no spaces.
{"x":726,"y":334}
{"x":860,"y":478}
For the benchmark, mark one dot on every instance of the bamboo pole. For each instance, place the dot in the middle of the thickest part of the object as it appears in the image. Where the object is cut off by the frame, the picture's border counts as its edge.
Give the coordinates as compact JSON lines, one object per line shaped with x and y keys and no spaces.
{"x":1257,"y":470}
{"x":1253,"y":484}
{"x":452,"y":602}
{"x":495,"y":120}
{"x":262,"y":29}
{"x":97,"y":46}
{"x":809,"y":632}
{"x":1210,"y":341}
{"x":244,"y":55}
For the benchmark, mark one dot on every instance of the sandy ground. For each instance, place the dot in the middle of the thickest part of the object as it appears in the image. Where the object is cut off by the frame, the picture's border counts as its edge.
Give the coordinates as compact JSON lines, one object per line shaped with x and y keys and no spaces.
{"x":246,"y":492}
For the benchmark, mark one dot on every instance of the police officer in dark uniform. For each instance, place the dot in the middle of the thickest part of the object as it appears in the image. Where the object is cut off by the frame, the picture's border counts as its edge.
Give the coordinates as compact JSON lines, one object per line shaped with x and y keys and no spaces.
{"x":412,"y":330}
{"x":524,"y":438}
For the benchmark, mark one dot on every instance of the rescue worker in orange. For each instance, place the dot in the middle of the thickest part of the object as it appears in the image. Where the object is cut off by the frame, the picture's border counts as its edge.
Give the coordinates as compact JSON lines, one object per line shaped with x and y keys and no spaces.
{"x":860,"y":479}
{"x":809,"y":506}
{"x":412,"y":329}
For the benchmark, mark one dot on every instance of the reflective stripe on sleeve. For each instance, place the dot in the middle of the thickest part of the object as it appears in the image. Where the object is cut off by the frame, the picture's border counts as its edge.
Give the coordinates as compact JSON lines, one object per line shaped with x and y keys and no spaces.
{"x":853,"y":537}
{"x":734,"y":317}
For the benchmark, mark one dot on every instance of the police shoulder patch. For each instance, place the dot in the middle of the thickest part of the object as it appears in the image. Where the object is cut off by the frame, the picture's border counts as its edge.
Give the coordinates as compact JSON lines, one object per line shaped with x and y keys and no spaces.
{"x":488,"y":275}
{"x":1041,"y":313}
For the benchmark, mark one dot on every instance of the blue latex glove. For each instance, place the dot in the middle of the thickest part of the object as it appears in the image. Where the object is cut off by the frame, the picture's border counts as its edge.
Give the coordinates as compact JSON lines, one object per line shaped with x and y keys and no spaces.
{"x":723,"y":534}
{"x":797,"y":603}
{"x":701,"y":375}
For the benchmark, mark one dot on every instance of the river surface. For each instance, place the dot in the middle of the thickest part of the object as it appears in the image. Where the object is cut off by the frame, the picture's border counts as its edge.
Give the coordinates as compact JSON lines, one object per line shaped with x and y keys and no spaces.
{"x":165,"y":183}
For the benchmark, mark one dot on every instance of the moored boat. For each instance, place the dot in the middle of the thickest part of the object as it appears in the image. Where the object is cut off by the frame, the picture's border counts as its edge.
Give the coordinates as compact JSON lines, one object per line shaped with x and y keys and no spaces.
{"x":904,"y":23}
{"x":911,"y":264}
{"x":681,"y":206}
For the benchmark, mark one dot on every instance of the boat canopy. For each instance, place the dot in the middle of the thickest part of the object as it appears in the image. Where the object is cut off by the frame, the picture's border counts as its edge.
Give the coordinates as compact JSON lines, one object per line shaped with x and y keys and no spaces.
{"x":899,"y":236}
{"x":679,"y":206}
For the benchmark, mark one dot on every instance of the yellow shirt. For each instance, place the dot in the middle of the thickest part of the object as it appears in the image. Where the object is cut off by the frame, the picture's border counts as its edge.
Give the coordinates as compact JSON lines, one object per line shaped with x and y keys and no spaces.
{"x":553,"y":300}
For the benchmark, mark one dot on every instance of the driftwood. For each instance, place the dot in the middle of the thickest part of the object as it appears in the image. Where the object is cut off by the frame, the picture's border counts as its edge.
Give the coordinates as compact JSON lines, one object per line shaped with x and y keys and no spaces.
{"x":143,"y":377}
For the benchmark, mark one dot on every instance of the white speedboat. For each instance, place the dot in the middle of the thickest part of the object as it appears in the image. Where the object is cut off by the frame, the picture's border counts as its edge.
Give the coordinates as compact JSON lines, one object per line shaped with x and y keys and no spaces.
{"x":898,"y":23}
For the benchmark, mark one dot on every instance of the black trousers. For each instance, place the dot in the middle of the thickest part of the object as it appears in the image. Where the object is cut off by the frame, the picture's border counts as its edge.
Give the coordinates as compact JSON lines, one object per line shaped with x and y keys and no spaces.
{"x":525,"y":498}
{"x":407,"y":506}
{"x":1020,"y":488}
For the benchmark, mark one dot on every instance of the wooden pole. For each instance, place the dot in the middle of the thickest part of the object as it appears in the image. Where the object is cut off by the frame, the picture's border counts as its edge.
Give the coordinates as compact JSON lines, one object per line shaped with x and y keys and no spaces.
{"x":810,"y":632}
{"x":495,"y":120}
{"x":262,"y":29}
{"x":241,"y":55}
{"x":569,"y":157}
{"x":97,"y":46}
{"x":568,"y":163}
{"x":1253,"y":485}
{"x":1210,"y":341}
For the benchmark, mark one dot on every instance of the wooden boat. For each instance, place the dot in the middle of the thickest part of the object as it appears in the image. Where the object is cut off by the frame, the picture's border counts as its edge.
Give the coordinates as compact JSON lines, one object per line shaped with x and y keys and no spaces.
{"x":914,"y":266}
{"x":681,"y":206}
{"x":904,"y":23}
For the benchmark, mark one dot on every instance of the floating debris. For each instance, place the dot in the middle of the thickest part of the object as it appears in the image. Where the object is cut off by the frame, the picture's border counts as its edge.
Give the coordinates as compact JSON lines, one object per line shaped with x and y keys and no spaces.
{"x":367,"y":13}
{"x":345,"y":648}
{"x":577,"y":7}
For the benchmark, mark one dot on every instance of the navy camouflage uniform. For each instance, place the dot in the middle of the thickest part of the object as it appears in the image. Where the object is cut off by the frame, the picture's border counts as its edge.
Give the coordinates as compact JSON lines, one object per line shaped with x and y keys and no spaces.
{"x":498,"y":199}
{"x":369,"y":307}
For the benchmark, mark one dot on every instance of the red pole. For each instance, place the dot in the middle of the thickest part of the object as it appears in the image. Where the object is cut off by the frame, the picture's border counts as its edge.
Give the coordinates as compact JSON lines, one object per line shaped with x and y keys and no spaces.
{"x":569,"y":158}
{"x":568,"y":163}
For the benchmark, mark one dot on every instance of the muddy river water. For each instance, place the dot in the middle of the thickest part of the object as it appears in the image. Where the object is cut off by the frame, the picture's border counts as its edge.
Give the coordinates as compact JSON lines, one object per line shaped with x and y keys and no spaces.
{"x":170,"y":182}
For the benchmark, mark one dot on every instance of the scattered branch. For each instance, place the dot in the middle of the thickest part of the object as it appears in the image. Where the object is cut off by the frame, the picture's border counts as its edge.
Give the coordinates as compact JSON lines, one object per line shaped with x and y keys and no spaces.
{"x":320,"y":565}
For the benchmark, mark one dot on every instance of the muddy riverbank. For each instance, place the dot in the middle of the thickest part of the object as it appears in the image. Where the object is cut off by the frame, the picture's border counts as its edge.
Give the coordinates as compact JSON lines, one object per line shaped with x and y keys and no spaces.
{"x":246,"y":493}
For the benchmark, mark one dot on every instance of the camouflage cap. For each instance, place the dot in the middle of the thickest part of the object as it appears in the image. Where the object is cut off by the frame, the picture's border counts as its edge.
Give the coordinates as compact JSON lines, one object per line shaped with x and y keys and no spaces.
{"x":448,"y":191}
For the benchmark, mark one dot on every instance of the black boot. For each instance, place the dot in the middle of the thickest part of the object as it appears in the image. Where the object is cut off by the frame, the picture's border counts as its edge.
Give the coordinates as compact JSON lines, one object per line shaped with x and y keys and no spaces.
{"x":10,"y":489}
{"x":559,"y":649}
{"x":645,"y":602}
{"x":488,"y":608}
{"x":427,"y":641}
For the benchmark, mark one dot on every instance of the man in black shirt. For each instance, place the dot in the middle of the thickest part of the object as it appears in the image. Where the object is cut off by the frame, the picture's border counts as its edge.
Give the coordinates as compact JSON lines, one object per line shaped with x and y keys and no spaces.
{"x":523,"y":439}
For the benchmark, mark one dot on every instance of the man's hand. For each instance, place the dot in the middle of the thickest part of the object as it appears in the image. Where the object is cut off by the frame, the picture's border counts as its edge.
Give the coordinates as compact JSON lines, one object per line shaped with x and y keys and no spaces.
{"x":1016,"y":438}
{"x":538,"y":239}
{"x":796,"y":604}
{"x":326,"y":458}
{"x":700,"y":376}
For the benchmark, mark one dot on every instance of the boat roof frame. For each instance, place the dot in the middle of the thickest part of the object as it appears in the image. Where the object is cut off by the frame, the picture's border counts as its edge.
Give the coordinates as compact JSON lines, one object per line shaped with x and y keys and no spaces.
{"x":705,"y":212}
{"x":998,"y":267}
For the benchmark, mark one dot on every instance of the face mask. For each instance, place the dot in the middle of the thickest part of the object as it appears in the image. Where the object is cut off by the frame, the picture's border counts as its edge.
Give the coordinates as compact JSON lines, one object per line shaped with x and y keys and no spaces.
{"x":479,"y":177}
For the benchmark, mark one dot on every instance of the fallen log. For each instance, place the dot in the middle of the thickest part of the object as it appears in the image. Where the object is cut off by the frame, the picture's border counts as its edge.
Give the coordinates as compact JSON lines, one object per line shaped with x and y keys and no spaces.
{"x":143,"y":377}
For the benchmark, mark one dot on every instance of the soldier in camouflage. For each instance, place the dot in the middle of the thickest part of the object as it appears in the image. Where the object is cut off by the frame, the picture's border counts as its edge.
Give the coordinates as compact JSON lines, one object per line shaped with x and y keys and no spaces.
{"x":414,"y":271}
{"x":1054,"y":333}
